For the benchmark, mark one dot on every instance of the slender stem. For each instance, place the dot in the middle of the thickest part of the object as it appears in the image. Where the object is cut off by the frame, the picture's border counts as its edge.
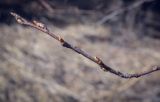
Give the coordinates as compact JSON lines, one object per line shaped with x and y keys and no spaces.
{"x":40,"y":26}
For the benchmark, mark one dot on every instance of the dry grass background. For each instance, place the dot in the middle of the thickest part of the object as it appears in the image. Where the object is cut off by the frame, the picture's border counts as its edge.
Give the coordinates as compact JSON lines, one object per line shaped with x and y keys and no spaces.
{"x":34,"y":68}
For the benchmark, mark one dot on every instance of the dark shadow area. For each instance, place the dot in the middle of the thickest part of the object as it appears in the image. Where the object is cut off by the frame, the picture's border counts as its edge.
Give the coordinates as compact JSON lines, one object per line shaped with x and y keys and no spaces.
{"x":63,"y":12}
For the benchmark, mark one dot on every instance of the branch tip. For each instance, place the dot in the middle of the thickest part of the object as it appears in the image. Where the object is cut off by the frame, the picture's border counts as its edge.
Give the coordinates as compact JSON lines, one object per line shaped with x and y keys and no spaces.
{"x":13,"y":14}
{"x":18,"y":18}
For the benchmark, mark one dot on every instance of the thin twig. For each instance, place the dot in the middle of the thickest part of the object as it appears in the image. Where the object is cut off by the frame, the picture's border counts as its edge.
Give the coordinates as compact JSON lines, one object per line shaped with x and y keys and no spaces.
{"x":43,"y":28}
{"x":46,"y":5}
{"x":121,"y":10}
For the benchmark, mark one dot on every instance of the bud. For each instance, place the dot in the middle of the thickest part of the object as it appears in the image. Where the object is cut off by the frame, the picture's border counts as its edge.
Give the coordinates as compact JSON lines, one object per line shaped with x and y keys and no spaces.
{"x":103,"y":69}
{"x":60,"y":39}
{"x":19,"y":20}
{"x":98,"y":60}
{"x":41,"y":25}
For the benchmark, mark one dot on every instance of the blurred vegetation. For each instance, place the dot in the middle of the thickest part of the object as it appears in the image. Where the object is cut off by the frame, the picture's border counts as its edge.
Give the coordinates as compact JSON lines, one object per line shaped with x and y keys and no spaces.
{"x":33,"y":68}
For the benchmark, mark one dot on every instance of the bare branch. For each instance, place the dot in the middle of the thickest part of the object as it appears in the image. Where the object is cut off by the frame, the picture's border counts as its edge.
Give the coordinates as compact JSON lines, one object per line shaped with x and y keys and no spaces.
{"x":43,"y":28}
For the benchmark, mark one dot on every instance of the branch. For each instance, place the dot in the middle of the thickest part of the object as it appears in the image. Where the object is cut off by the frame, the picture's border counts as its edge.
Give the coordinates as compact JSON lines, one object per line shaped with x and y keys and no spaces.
{"x":43,"y":28}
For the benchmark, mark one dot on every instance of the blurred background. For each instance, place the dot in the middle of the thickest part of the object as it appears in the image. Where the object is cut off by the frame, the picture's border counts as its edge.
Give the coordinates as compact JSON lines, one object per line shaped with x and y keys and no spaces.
{"x":35,"y":68}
